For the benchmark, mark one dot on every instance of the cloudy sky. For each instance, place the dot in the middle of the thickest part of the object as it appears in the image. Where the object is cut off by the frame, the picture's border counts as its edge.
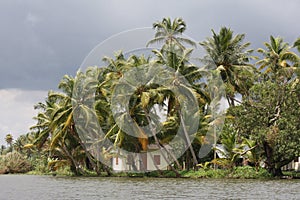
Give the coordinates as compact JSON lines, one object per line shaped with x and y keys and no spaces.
{"x":40,"y":40}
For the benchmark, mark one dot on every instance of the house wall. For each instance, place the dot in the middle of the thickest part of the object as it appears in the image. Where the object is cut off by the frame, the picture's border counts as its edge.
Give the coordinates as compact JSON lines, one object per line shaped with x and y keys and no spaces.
{"x":118,"y":164}
{"x":294,"y":165}
{"x":150,"y":161}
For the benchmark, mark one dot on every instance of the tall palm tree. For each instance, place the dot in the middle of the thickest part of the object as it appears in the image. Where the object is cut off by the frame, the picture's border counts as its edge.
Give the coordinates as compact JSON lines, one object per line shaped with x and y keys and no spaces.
{"x":278,"y":61}
{"x":175,"y":55}
{"x":170,"y":34}
{"x":230,"y":56}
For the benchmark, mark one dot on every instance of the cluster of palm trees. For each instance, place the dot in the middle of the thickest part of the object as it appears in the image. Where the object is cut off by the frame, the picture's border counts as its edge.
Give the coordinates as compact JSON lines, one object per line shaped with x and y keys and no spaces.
{"x":83,"y":115}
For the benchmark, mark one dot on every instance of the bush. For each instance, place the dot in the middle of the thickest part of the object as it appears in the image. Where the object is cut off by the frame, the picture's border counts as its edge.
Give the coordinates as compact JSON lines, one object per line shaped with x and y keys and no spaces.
{"x":205,"y":173}
{"x":14,"y":162}
{"x":248,"y":172}
{"x":237,"y":172}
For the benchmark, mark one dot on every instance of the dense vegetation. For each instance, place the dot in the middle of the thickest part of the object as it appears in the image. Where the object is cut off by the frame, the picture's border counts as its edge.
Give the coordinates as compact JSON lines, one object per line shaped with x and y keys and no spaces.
{"x":263,"y":94}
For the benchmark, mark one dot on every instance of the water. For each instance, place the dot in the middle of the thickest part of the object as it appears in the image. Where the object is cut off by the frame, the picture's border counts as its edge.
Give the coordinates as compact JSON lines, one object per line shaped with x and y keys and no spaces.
{"x":26,"y":187}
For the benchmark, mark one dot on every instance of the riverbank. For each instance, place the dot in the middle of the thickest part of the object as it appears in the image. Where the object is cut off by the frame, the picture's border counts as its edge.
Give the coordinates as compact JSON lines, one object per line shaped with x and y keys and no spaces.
{"x":245,"y":172}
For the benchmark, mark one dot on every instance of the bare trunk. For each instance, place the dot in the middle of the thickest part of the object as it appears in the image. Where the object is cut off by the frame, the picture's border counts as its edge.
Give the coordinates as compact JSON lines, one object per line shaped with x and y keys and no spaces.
{"x":189,"y":143}
{"x":74,"y":165}
{"x":162,"y":147}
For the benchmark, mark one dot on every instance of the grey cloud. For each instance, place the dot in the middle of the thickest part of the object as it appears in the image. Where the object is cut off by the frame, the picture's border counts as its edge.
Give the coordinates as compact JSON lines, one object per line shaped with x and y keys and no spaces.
{"x":43,"y":40}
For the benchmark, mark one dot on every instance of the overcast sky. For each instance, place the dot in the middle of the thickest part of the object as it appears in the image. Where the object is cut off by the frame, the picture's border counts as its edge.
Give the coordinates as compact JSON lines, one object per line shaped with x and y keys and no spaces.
{"x":41,"y":40}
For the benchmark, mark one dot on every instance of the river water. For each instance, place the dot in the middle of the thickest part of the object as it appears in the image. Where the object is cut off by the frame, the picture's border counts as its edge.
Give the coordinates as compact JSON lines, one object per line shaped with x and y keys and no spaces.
{"x":30,"y":187}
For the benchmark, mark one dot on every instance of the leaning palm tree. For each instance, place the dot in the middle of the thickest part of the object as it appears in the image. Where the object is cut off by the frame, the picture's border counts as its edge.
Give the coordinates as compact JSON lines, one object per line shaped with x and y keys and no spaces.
{"x":56,"y":122}
{"x":230,"y":56}
{"x":176,"y":56}
{"x":278,"y":61}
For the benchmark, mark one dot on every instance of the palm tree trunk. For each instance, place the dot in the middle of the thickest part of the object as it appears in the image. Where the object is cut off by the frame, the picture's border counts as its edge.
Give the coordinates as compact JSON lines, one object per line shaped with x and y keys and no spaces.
{"x":88,"y":155}
{"x":74,"y":165}
{"x":162,"y":146}
{"x":195,"y":161}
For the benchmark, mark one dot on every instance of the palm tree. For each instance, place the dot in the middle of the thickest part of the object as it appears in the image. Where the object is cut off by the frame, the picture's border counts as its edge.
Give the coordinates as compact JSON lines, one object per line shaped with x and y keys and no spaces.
{"x":2,"y":148}
{"x":56,"y":122}
{"x":297,"y":44}
{"x":278,"y":61}
{"x":9,"y":139}
{"x":175,"y":55}
{"x":227,"y":54}
{"x":19,"y":143}
{"x":169,"y":33}
{"x":116,"y":70}
{"x":49,"y":128}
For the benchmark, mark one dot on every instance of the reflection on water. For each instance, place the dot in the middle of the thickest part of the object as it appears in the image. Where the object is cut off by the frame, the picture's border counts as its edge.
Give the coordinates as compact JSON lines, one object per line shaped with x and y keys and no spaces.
{"x":23,"y":187}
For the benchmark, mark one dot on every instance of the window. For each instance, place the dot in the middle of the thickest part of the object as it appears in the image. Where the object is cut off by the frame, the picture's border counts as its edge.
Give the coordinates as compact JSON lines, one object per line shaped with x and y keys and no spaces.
{"x":117,"y":160}
{"x":157,"y":159}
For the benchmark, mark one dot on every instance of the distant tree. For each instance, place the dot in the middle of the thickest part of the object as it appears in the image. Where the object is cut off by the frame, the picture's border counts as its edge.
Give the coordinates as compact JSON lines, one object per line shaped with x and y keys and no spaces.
{"x":9,"y":139}
{"x":2,"y":148}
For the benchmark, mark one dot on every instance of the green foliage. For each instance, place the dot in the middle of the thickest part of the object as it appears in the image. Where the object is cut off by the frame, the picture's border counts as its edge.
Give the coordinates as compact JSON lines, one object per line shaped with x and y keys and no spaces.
{"x":248,"y":172}
{"x":297,"y":44}
{"x":205,"y":165}
{"x":269,"y":117}
{"x":201,"y":173}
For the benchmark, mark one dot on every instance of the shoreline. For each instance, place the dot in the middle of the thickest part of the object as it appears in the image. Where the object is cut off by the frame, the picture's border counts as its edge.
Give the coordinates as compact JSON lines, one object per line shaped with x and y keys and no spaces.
{"x":238,"y":173}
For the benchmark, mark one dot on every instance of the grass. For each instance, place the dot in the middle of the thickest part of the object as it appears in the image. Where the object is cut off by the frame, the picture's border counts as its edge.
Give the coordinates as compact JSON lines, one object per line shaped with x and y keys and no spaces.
{"x":245,"y":172}
{"x":293,"y":174}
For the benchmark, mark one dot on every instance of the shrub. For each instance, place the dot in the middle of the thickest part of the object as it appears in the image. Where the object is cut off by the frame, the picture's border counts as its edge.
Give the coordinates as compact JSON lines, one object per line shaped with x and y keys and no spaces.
{"x":249,"y":172}
{"x":14,"y":162}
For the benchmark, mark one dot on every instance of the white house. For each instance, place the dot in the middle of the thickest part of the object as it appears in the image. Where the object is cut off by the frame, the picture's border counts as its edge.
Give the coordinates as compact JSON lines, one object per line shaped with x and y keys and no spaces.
{"x":294,"y":165}
{"x":152,"y":159}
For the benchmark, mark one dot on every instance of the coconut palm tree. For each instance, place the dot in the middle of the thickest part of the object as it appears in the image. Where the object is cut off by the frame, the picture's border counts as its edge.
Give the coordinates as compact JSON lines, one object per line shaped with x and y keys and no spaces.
{"x":192,"y":74}
{"x":19,"y":143}
{"x":278,"y":61}
{"x":170,"y":33}
{"x":49,"y":135}
{"x":297,"y":44}
{"x":56,"y":121}
{"x":176,"y":56}
{"x":230,"y":56}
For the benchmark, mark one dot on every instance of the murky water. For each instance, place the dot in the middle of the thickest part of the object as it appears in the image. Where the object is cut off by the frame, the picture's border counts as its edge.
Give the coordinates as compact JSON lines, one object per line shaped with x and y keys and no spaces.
{"x":25,"y":187}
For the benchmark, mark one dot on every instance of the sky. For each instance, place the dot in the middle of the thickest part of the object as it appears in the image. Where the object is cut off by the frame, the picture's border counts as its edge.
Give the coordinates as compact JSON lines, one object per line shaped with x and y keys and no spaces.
{"x":41,"y":40}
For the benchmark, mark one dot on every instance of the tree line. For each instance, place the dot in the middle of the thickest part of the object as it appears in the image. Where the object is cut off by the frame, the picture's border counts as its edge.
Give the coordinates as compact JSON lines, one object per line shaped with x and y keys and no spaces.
{"x":262,"y":123}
